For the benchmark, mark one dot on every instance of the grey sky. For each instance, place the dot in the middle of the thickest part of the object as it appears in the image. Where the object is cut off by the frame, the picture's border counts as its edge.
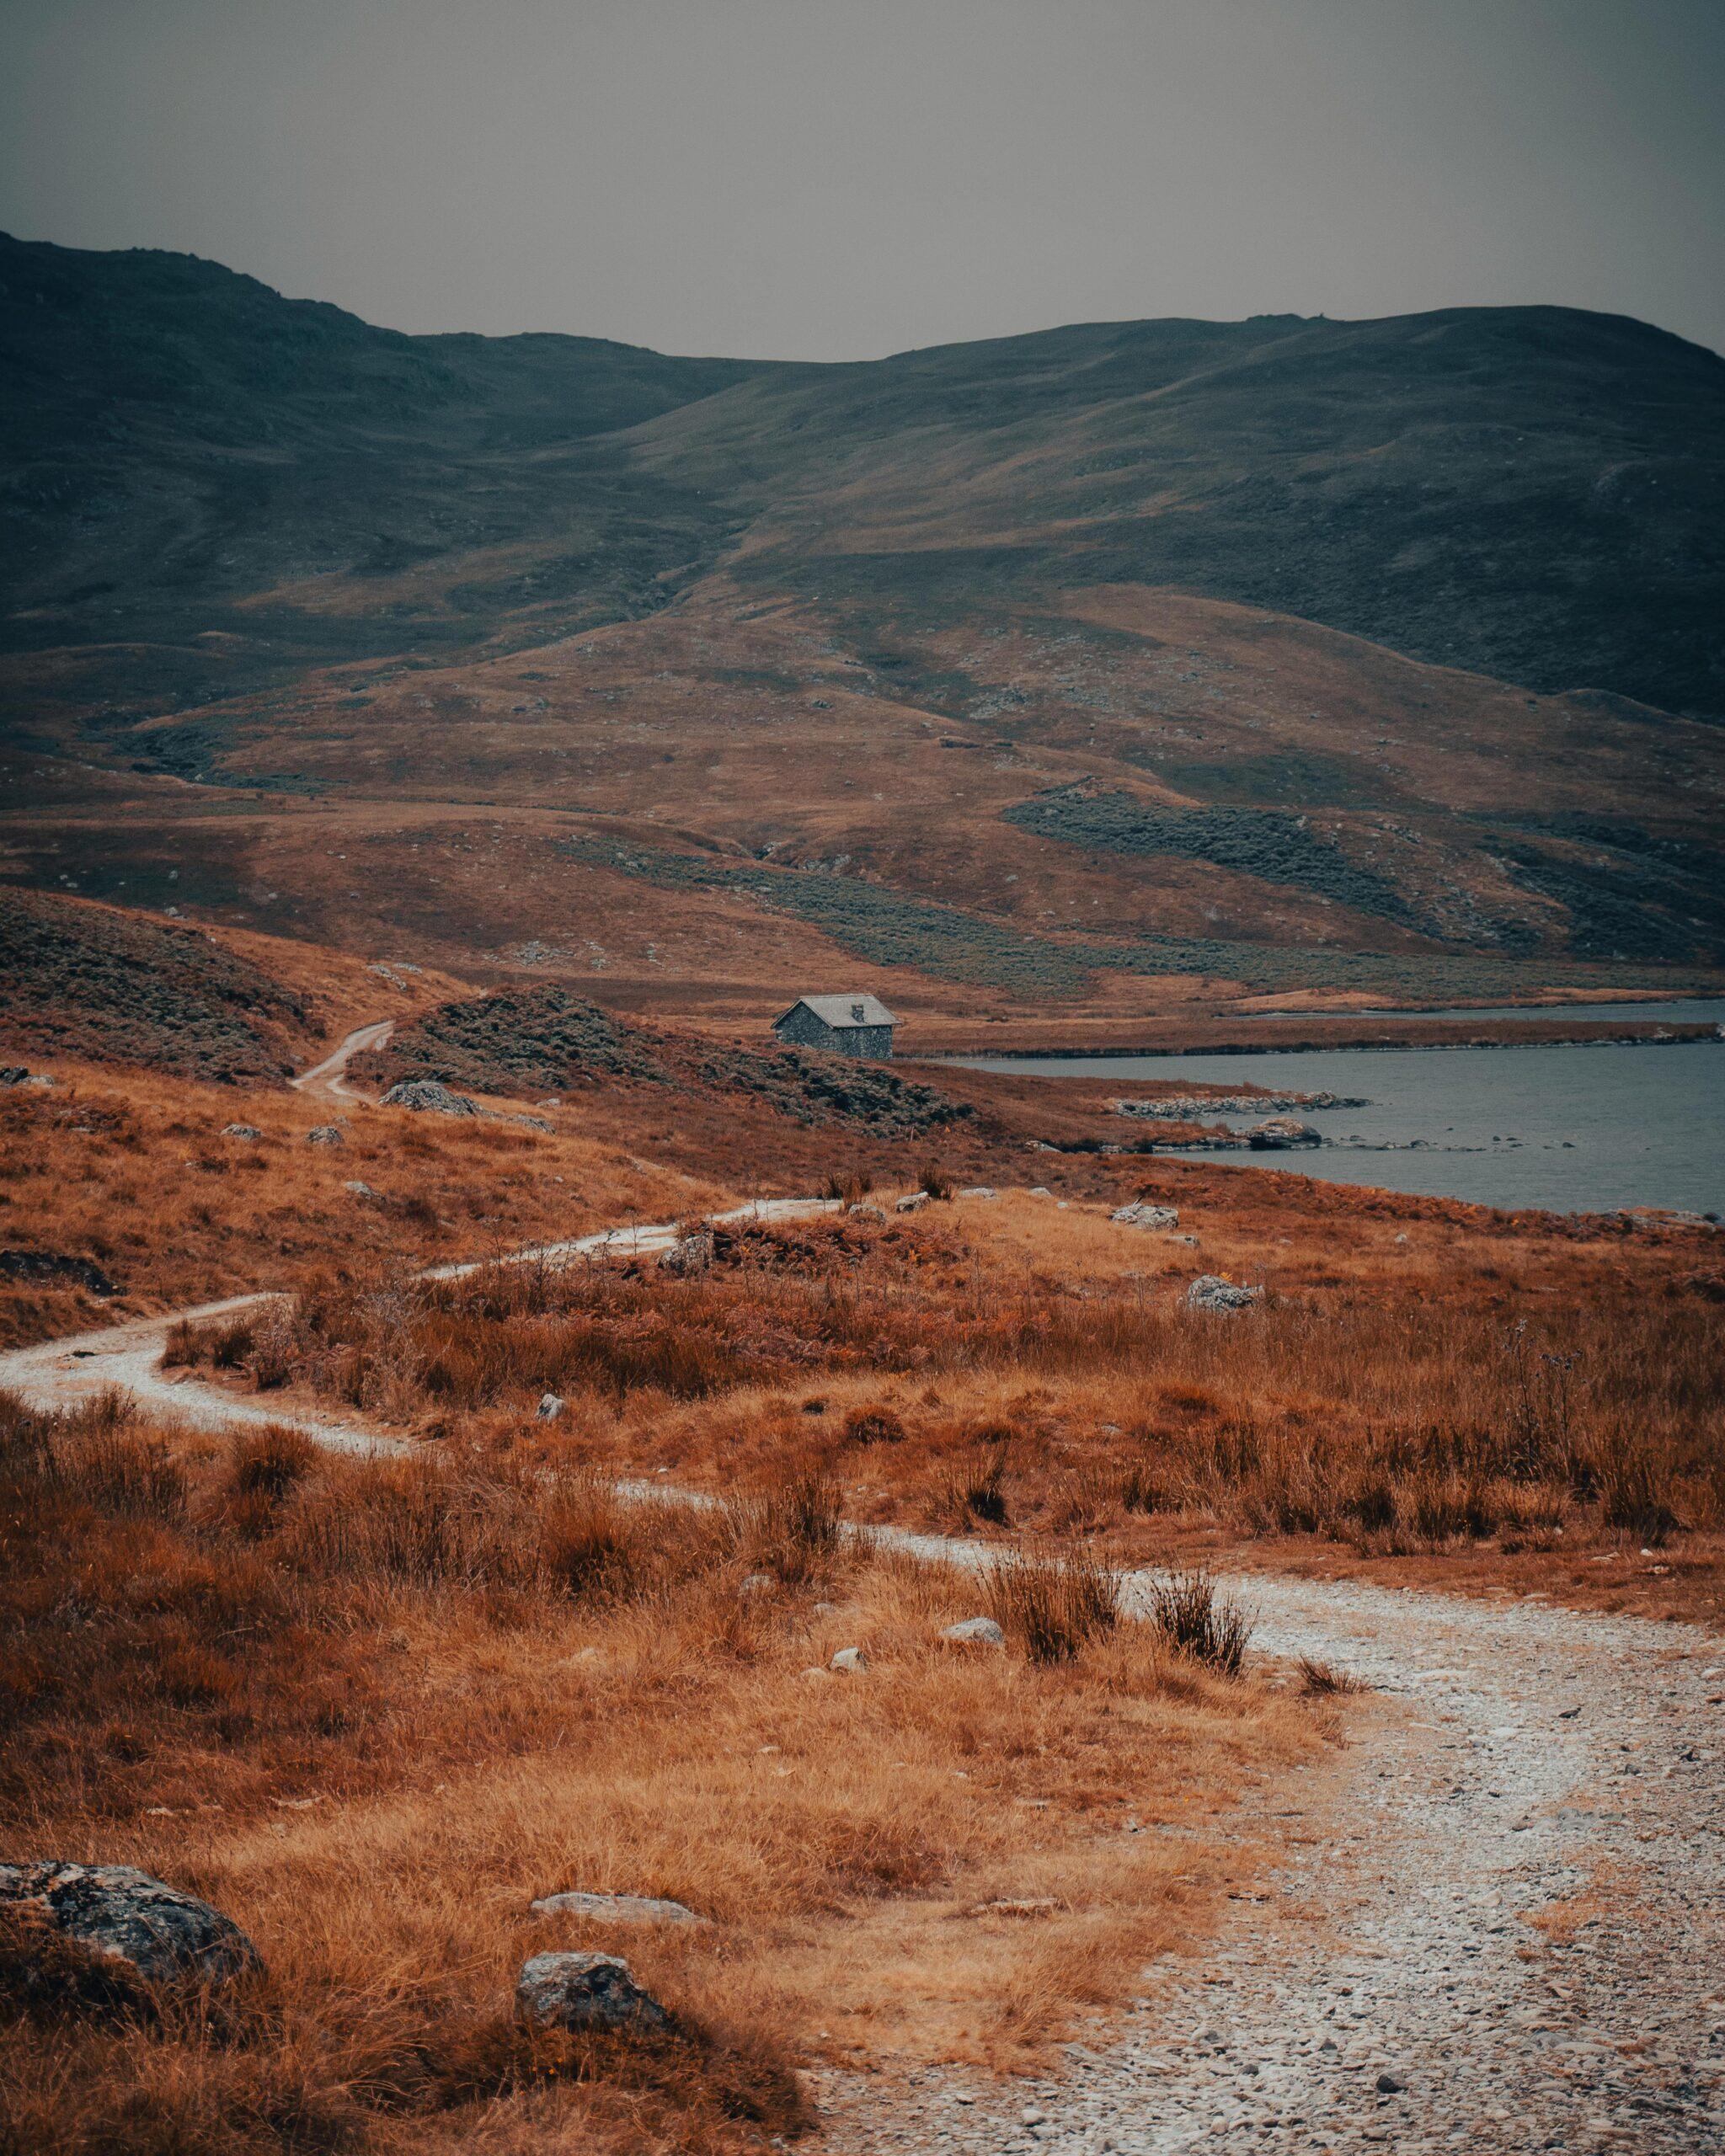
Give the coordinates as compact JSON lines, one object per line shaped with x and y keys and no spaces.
{"x":837,"y":179}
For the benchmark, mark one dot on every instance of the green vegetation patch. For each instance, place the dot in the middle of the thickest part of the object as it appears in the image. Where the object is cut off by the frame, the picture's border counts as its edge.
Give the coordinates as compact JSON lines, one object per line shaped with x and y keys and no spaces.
{"x":76,"y":979}
{"x":1271,"y":844}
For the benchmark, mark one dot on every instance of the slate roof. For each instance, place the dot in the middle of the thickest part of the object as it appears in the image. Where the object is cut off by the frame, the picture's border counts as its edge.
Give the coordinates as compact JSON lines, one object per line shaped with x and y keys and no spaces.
{"x":840,"y":1011}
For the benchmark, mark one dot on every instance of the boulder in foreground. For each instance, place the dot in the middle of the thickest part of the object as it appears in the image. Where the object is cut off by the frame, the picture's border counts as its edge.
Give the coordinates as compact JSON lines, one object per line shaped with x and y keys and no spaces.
{"x":1141,"y":1214}
{"x":141,"y":1928}
{"x":587,"y":1991}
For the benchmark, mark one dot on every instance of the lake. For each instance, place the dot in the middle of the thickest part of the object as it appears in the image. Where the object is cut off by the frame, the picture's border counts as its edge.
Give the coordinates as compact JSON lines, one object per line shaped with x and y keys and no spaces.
{"x":1573,"y":1129}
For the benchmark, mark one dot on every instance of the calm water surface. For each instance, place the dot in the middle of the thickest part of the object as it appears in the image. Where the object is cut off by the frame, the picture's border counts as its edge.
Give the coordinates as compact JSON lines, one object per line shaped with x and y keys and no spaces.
{"x":1572,"y":1128}
{"x":1690,"y":1011}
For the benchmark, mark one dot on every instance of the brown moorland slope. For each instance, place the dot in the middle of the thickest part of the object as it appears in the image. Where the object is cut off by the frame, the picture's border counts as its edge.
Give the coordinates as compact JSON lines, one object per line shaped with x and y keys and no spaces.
{"x":1096,"y":668}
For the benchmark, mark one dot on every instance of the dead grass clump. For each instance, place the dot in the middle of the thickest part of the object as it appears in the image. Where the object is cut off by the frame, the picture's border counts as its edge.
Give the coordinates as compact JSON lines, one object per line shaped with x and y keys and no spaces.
{"x":1052,"y":1608}
{"x":974,"y":1491}
{"x":876,"y":1425}
{"x":1187,"y":1611}
{"x":1631,"y":1500}
{"x":1323,"y":1680}
{"x":933,"y":1181}
{"x":792,"y":1528}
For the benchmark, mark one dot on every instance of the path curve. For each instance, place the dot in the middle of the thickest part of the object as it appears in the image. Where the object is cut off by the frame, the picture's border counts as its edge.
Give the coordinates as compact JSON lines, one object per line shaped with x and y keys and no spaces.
{"x":1527,"y":1758}
{"x":329,"y":1077}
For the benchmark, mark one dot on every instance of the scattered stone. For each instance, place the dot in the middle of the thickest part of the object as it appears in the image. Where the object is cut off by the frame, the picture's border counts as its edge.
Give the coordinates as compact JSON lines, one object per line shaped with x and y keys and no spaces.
{"x":428,"y":1097}
{"x":587,"y":1991}
{"x":758,"y":1583}
{"x":131,"y":1924}
{"x":1209,"y":1292}
{"x":1040,"y":1189}
{"x":851,"y":1660}
{"x":551,"y":1405}
{"x":248,"y":1130}
{"x":536,"y":1123}
{"x":616,"y":1908}
{"x":1143,"y":1216}
{"x":326,"y":1134}
{"x":980,"y":1190}
{"x":360,"y":1189}
{"x":975,"y":1631}
{"x":913,"y":1201}
{"x":1388,"y":2085}
{"x":864,"y":1212}
{"x":15,"y":1074}
{"x":1044,"y":1905}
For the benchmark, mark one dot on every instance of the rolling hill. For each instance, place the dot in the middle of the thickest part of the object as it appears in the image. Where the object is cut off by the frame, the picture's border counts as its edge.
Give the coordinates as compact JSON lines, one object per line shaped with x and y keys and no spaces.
{"x":1096,"y":667}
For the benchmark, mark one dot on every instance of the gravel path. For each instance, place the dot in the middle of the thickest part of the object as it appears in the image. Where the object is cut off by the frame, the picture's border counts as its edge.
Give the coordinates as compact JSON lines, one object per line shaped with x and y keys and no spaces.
{"x":1529,"y":1757}
{"x":1392,"y":1990}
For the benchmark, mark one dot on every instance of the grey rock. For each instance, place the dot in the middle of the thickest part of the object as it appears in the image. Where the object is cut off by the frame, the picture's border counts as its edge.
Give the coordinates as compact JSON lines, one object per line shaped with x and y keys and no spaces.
{"x":1281,"y":1133}
{"x":1209,"y":1292}
{"x":15,"y":1074}
{"x":144,"y":1929}
{"x":913,"y":1201}
{"x":551,"y":1405}
{"x":536,"y":1123}
{"x":326,"y":1134}
{"x":1388,"y":2085}
{"x":864,"y":1212}
{"x":975,"y":1631}
{"x":587,"y":1991}
{"x":1143,"y":1216}
{"x":427,"y":1097}
{"x":241,"y":1130}
{"x":978,"y":1190}
{"x":616,"y":1908}
{"x":849,"y":1659}
{"x":360,"y":1189}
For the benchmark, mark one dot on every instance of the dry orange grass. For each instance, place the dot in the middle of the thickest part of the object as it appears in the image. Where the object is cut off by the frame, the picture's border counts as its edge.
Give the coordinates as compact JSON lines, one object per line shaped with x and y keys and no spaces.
{"x":132,"y":1171}
{"x":373,"y":1710}
{"x":1012,"y":1366}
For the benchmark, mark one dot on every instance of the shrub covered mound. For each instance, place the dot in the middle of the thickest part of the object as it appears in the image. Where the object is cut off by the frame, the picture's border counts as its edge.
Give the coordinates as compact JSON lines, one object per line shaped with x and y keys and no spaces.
{"x":540,"y":1038}
{"x":82,"y":979}
{"x":546,"y":1039}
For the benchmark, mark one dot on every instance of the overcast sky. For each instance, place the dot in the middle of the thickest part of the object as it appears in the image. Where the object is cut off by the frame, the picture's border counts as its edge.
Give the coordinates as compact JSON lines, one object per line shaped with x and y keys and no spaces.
{"x":838,"y":178}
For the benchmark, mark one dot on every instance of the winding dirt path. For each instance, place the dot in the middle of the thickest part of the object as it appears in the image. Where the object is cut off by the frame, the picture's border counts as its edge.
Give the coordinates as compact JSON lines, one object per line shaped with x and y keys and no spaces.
{"x":1500,"y":1926}
{"x":329,"y":1078}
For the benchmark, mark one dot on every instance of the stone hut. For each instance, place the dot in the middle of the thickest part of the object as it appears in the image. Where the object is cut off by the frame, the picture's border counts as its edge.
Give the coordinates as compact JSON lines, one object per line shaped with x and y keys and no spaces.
{"x":846,"y":1025}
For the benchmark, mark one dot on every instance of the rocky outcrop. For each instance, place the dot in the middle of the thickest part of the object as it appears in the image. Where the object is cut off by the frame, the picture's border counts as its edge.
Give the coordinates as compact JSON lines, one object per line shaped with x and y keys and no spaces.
{"x":975,"y":1632}
{"x":691,"y":1254}
{"x":134,"y":1928}
{"x":1144,"y":1216}
{"x":1281,"y":1133}
{"x":428,"y":1097}
{"x":55,"y":1266}
{"x":1210,"y":1291}
{"x":1195,"y":1107}
{"x":326,"y":1134}
{"x":588,"y":1992}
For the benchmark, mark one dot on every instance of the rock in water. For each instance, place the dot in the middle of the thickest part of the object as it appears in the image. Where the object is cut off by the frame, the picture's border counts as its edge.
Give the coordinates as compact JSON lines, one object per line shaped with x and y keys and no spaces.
{"x":616,"y":1908}
{"x":427,"y":1097}
{"x":975,"y":1631}
{"x":587,"y":1991}
{"x":142,"y":1928}
{"x":1209,"y":1292}
{"x":1143,"y":1216}
{"x":1281,"y":1133}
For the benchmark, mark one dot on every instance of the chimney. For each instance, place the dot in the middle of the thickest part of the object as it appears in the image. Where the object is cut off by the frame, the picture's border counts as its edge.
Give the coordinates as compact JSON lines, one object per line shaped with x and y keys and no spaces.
{"x":856,"y":1011}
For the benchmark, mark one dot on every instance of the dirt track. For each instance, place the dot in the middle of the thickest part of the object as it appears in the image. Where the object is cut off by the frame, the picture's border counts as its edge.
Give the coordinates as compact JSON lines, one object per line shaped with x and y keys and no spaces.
{"x":1510,"y":1903}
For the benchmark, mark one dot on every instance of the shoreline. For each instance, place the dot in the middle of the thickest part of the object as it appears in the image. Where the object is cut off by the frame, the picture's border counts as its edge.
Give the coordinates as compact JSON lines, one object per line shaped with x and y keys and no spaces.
{"x":1687,"y":1035}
